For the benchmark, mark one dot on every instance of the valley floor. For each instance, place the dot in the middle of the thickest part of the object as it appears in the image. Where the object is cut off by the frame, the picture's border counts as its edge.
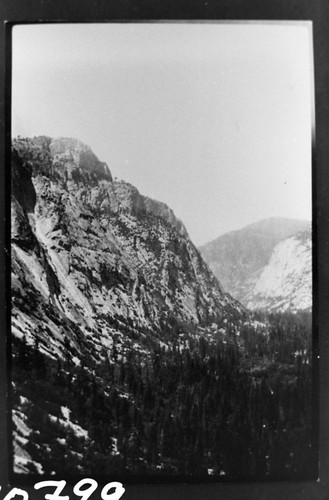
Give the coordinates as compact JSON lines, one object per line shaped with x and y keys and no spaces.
{"x":236,"y":407}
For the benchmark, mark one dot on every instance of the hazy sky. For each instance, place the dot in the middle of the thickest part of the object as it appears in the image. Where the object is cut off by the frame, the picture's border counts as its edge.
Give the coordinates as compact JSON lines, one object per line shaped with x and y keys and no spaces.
{"x":214,"y":119}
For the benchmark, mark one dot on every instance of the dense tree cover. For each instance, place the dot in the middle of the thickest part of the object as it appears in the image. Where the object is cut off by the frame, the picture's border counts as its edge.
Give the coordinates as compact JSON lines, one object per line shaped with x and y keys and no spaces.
{"x":238,"y":407}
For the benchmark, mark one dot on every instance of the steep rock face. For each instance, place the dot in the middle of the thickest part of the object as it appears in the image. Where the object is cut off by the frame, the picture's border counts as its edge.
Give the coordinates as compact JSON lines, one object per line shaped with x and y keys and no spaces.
{"x":77,"y":158}
{"x":22,"y":187}
{"x":239,"y":258}
{"x":285,"y":283}
{"x":103,"y":261}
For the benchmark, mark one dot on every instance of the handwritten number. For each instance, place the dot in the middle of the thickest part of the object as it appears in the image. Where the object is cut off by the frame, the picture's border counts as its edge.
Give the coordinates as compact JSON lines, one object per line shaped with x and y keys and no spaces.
{"x":115,"y":495}
{"x":85,"y":493}
{"x":56,"y":495}
{"x":79,"y":490}
{"x":16,"y":491}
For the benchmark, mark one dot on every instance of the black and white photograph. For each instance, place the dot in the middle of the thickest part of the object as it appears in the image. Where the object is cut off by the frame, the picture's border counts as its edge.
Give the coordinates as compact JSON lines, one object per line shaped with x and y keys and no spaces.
{"x":161,"y":251}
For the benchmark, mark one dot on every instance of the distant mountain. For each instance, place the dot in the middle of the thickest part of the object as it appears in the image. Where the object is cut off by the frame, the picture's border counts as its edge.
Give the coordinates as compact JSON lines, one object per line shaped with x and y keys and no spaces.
{"x":262,"y":266}
{"x":285,"y":283}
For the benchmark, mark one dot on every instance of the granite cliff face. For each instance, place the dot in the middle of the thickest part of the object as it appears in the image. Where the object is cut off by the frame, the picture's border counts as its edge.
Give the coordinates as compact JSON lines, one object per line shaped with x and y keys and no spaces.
{"x":99,"y":273}
{"x":92,"y":257}
{"x":266,"y":265}
{"x":285,"y":283}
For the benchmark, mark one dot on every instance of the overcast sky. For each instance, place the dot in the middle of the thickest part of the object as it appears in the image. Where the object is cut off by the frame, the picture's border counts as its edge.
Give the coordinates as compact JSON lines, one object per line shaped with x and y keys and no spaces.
{"x":214,"y":119}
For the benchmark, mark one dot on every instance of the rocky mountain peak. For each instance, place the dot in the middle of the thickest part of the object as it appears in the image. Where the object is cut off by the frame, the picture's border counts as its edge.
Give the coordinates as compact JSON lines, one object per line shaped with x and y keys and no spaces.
{"x":266,"y":264}
{"x":63,"y":159}
{"x":74,"y":168}
{"x":63,"y":145}
{"x":78,"y":159}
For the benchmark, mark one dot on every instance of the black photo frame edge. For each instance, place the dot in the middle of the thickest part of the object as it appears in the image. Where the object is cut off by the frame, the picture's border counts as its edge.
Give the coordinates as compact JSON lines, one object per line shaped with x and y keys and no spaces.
{"x":14,"y":12}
